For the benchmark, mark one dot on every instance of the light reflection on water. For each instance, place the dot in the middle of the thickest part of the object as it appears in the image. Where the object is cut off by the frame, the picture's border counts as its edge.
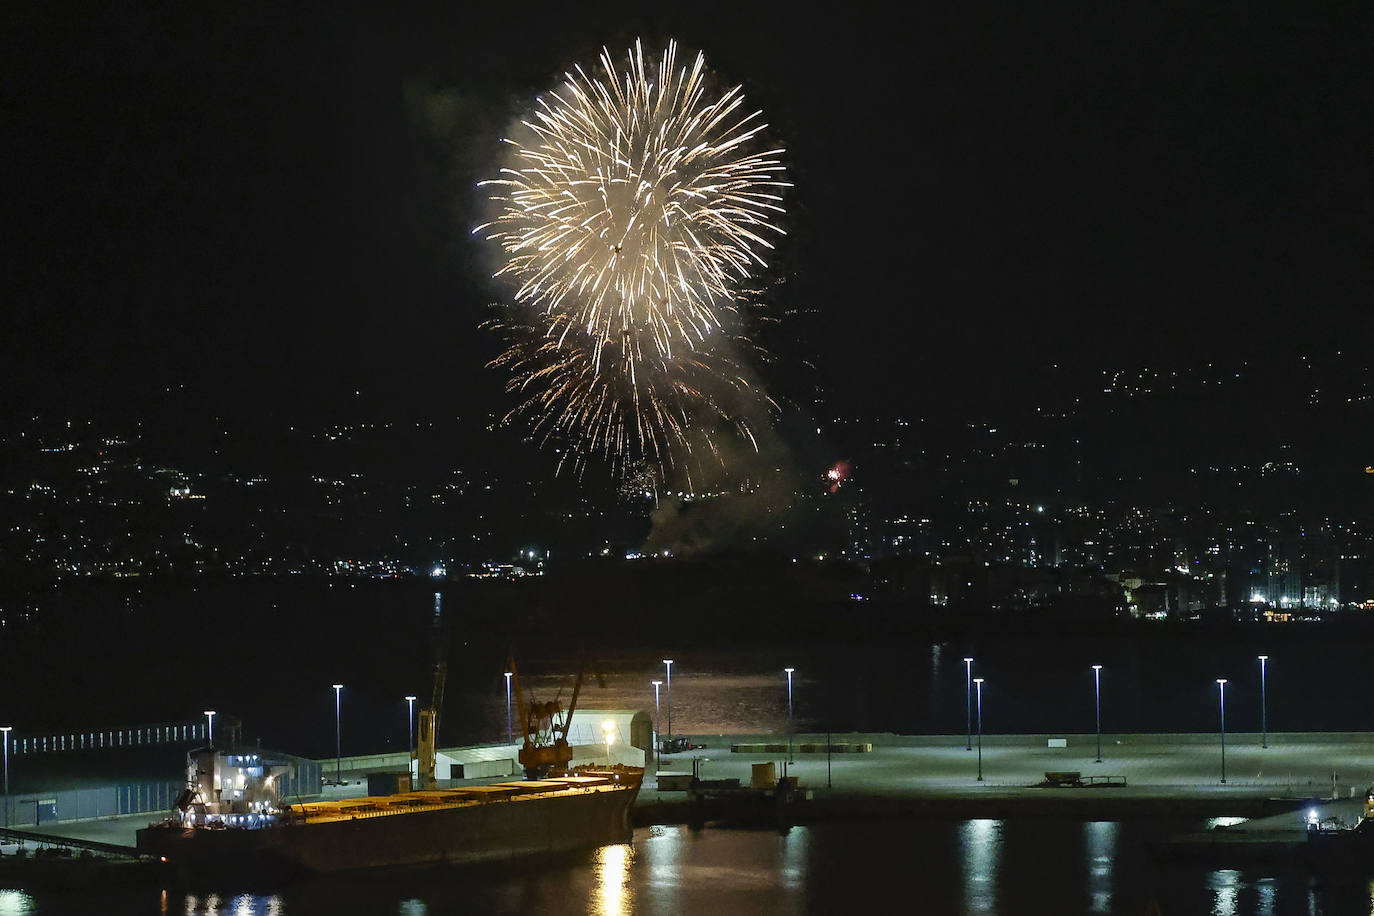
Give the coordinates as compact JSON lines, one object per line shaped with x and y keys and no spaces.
{"x":612,"y":867}
{"x":663,"y":866}
{"x":15,"y":903}
{"x":1225,"y":886}
{"x":1100,"y":842}
{"x":238,"y":905}
{"x":980,"y":846}
{"x":795,"y":858}
{"x":1016,"y":867}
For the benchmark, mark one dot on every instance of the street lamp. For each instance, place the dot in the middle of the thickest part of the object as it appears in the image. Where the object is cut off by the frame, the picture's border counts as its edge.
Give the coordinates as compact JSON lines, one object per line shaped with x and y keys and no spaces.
{"x":338,"y":738}
{"x":789,"y":713}
{"x":668,"y":663}
{"x":6,"y":730}
{"x":968,"y":701}
{"x":410,"y":745}
{"x":656,"y":714}
{"x":510,"y":735}
{"x":1221,"y":689}
{"x":1097,"y":690}
{"x":608,"y":730}
{"x":210,"y":729}
{"x":1264,"y":703}
{"x":978,"y":681}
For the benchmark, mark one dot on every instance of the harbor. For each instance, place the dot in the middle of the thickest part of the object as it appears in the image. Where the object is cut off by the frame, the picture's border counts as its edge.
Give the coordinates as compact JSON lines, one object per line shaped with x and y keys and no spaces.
{"x":937,"y":776}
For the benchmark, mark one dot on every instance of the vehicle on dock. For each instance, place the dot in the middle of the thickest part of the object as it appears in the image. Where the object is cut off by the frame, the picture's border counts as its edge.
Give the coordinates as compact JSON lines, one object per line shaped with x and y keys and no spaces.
{"x":678,"y":745}
{"x":1073,"y":779}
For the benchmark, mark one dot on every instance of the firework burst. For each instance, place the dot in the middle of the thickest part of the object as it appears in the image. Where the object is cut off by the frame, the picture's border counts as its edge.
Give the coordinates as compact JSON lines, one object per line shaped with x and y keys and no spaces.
{"x":628,"y":216}
{"x":636,"y":203}
{"x":668,"y":415}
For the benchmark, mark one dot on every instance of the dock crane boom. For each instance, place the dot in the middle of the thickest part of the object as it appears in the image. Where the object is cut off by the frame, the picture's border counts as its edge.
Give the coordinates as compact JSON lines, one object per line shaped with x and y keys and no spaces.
{"x":428,"y":735}
{"x":545,"y":750}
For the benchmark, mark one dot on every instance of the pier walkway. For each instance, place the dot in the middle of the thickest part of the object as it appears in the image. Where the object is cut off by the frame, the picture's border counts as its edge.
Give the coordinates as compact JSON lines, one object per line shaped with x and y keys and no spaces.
{"x":937,"y":776}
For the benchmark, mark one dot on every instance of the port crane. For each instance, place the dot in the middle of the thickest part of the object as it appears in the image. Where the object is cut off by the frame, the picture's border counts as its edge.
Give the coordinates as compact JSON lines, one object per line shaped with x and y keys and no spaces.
{"x":545,"y":750}
{"x":428,"y":734}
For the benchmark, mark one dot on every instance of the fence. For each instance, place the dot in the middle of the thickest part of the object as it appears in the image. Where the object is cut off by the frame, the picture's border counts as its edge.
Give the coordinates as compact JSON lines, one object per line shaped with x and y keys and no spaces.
{"x":137,"y":736}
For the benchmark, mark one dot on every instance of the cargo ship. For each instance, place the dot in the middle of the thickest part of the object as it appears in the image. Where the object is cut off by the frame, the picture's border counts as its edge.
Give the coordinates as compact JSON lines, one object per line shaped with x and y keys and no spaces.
{"x":249,"y":832}
{"x":238,"y":814}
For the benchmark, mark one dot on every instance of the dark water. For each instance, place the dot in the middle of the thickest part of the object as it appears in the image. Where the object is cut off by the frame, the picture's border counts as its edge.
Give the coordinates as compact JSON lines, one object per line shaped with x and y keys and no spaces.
{"x":1024,"y":866}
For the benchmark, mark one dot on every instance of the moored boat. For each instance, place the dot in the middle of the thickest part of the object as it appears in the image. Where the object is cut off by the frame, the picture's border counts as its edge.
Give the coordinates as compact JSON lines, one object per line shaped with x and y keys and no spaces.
{"x":509,"y":820}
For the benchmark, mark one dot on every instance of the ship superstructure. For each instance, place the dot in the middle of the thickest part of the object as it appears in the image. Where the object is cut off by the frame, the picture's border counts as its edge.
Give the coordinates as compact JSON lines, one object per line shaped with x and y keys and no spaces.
{"x":232,"y":788}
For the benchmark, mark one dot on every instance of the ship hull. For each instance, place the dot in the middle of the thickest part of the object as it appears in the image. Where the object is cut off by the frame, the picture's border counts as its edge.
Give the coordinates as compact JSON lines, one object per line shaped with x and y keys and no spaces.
{"x":491,"y":832}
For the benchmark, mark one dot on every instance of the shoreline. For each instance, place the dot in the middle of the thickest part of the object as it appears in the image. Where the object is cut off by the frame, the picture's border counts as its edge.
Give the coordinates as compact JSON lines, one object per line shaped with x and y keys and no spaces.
{"x":821,"y":808}
{"x":1179,"y":775}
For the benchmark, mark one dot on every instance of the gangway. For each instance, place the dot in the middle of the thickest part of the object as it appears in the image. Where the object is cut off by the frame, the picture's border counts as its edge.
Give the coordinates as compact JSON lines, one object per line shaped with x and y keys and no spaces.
{"x":109,"y":849}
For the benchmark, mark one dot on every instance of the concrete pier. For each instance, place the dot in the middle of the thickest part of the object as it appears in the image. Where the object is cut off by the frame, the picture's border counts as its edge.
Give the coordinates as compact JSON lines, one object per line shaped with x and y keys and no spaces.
{"x":936,"y":776}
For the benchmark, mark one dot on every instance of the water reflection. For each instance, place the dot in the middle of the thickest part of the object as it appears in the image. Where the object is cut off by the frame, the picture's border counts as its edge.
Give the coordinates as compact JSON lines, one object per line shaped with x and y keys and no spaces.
{"x":1048,"y":865}
{"x":1100,"y":840}
{"x":241,"y":905}
{"x":1224,"y":883}
{"x":612,"y":867}
{"x":980,"y":847}
{"x":666,"y":850}
{"x":794,"y":845}
{"x":15,"y":903}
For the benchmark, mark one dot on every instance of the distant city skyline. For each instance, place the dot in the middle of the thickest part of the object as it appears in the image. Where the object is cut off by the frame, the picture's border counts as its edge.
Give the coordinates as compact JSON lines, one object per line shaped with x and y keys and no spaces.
{"x":1077,"y":266}
{"x":1285,"y":528}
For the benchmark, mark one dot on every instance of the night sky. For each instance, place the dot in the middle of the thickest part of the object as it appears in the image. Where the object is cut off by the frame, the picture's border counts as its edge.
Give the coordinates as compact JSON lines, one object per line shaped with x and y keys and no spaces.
{"x":270,"y":206}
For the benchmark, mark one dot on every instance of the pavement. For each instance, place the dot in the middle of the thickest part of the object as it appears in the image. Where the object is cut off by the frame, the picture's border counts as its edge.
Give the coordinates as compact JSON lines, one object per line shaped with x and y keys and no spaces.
{"x":1164,"y":768}
{"x":938,"y":775}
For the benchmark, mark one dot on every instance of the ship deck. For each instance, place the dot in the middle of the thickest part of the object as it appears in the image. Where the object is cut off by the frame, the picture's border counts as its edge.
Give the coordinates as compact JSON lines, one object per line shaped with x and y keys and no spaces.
{"x":436,"y":799}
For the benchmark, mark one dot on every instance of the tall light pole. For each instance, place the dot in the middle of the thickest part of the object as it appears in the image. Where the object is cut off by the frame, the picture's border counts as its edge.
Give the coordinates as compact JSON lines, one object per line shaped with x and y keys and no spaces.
{"x":789,"y":671}
{"x":1264,"y":704}
{"x":338,"y":737}
{"x":1097,"y":690}
{"x":6,"y":730}
{"x":968,"y":700}
{"x":608,"y":731}
{"x":1221,"y":688}
{"x":668,"y":663}
{"x":510,"y":735}
{"x":210,"y":728}
{"x":978,"y":681}
{"x":656,"y":684}
{"x":410,"y":744}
